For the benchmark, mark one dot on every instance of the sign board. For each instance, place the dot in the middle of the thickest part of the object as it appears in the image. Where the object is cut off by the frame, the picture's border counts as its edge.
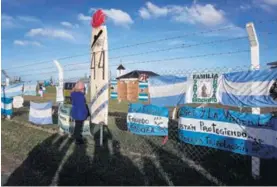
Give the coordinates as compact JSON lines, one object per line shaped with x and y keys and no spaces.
{"x":203,"y":88}
{"x":99,"y":76}
{"x":243,"y":133}
{"x":18,"y":102}
{"x":65,"y":122}
{"x":148,"y":120}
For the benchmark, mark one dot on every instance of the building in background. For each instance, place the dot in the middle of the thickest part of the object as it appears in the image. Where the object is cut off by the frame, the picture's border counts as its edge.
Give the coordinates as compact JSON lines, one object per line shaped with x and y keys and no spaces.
{"x":133,"y":86}
{"x":120,"y":70}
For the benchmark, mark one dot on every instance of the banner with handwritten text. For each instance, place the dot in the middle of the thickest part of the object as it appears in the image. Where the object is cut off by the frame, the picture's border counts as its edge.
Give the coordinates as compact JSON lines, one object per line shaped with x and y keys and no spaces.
{"x":66,"y":123}
{"x":148,"y":120}
{"x":243,"y":133}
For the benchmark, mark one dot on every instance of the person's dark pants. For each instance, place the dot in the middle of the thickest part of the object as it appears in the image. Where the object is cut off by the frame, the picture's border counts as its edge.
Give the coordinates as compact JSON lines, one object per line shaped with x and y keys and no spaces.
{"x":78,"y":129}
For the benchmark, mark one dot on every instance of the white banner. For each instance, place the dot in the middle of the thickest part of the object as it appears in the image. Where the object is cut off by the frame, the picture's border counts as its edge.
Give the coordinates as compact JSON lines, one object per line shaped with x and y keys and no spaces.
{"x":18,"y":102}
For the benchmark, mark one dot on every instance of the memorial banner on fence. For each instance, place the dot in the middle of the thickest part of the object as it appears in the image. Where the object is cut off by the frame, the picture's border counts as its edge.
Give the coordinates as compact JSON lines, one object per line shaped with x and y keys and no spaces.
{"x":65,"y":122}
{"x":167,"y":90}
{"x":203,"y":88}
{"x":41,"y":113}
{"x":243,"y":133}
{"x":147,"y":120}
{"x":248,"y":88}
{"x":6,"y":106}
{"x":12,"y":90}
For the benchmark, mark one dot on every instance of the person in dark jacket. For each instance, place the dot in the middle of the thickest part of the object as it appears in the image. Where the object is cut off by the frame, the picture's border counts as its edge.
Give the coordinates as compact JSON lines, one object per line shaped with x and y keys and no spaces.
{"x":79,"y":110}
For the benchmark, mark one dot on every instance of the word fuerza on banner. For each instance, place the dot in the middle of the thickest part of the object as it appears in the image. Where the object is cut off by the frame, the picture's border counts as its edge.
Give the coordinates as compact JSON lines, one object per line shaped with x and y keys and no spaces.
{"x":148,"y":120}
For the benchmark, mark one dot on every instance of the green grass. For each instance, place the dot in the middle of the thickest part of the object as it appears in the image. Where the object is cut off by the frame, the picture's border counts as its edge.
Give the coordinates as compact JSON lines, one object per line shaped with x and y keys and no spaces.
{"x":136,"y":153}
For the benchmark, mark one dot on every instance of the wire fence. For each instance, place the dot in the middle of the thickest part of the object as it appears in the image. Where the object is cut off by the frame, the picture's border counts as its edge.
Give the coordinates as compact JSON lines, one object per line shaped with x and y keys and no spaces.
{"x":170,"y":161}
{"x":153,"y":160}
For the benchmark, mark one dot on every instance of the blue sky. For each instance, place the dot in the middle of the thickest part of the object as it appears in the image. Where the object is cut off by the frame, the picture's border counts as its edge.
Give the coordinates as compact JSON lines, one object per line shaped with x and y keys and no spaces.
{"x":35,"y":31}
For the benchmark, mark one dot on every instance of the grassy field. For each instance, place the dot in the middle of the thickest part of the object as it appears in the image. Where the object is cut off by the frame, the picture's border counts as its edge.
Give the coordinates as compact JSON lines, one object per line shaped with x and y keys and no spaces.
{"x":43,"y":158}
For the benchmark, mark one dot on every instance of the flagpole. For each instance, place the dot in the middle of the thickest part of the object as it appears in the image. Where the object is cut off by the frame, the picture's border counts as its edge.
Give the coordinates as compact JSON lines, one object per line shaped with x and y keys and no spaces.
{"x":255,"y":65}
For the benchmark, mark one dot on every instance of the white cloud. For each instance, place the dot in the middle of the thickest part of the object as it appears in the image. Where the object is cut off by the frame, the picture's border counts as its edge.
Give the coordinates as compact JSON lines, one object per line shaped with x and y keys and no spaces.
{"x":245,"y":7}
{"x":26,"y":43}
{"x":118,"y":17}
{"x":143,"y":12}
{"x":82,"y":17}
{"x":207,"y":15}
{"x":69,"y":25}
{"x":18,"y":21}
{"x":230,"y":31}
{"x":270,"y":2}
{"x":156,"y":11}
{"x":52,"y":33}
{"x":28,"y":18}
{"x":8,"y":21}
{"x":195,"y":14}
{"x":266,"y":5}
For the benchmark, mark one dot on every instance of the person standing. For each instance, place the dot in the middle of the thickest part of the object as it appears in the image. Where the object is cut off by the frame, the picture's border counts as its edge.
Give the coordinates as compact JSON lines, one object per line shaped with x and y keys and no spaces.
{"x":79,"y":110}
{"x":40,"y":90}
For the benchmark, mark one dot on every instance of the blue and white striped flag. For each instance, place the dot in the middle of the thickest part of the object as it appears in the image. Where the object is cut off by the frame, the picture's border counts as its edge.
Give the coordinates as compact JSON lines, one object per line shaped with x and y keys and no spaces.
{"x":6,"y":106}
{"x":41,"y":113}
{"x":12,"y":90}
{"x":248,"y":89}
{"x":167,"y":90}
{"x":114,"y":93}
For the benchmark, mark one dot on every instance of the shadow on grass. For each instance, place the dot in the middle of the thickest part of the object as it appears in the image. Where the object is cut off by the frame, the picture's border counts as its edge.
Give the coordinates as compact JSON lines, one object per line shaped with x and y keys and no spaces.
{"x":102,"y":168}
{"x":120,"y":120}
{"x":230,"y":168}
{"x":174,"y":169}
{"x":41,"y":164}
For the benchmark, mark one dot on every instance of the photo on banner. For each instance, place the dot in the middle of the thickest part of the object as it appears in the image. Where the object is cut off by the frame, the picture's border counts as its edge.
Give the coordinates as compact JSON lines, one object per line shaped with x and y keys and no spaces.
{"x":203,"y":88}
{"x":148,"y":120}
{"x":242,"y":133}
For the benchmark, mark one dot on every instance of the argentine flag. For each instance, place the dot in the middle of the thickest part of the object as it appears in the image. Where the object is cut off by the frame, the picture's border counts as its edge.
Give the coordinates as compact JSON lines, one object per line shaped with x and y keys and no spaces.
{"x":248,"y":88}
{"x":12,"y":90}
{"x":6,"y":106}
{"x":41,"y":113}
{"x":167,"y":90}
